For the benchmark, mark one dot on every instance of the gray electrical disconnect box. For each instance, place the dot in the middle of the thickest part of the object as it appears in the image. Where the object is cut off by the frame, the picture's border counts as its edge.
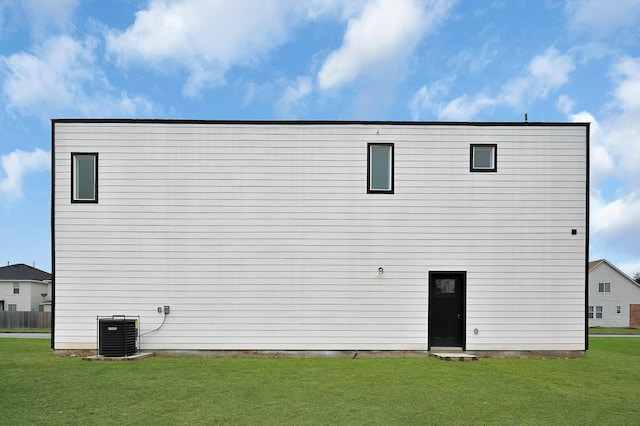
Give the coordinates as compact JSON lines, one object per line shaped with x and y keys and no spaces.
{"x":166,"y":309}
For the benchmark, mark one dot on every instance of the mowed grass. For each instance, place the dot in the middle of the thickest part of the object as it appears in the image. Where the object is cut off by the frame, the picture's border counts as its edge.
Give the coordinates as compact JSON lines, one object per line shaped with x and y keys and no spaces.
{"x":40,"y":388}
{"x":613,"y":330}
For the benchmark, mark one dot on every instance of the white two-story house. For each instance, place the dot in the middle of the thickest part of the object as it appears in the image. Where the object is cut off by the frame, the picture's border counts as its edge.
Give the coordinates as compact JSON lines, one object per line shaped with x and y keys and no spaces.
{"x":322,"y":236}
{"x":24,"y":288}
{"x":614,"y":298}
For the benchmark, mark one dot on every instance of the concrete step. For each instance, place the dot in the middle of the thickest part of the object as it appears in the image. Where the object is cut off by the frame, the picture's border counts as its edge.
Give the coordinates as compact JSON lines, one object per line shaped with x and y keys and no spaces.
{"x":454,"y":356}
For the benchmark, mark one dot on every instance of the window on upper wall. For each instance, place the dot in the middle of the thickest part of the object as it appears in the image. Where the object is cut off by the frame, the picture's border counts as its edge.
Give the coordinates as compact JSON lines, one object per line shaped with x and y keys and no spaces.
{"x":380,"y":168}
{"x":16,"y":288}
{"x":604,"y":287}
{"x":484,"y":158}
{"x":84,"y":178}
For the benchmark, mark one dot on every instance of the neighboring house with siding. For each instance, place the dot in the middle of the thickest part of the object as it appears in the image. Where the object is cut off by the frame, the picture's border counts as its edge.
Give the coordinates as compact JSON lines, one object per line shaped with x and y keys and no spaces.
{"x":322,"y":236}
{"x":24,"y":288}
{"x":614,"y":298}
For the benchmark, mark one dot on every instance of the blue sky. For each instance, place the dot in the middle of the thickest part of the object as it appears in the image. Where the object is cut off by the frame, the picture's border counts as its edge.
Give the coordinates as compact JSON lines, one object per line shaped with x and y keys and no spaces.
{"x":426,"y":60}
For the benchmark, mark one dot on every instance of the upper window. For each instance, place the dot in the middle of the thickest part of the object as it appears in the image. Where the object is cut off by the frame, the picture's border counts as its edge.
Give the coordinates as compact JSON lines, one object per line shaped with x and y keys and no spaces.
{"x":16,"y":288}
{"x":484,"y":158}
{"x":84,"y":178}
{"x":604,"y":287}
{"x":380,"y":168}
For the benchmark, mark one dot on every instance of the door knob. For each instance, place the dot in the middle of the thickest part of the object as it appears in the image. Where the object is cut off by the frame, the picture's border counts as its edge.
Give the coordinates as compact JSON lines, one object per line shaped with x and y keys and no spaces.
{"x":459,"y":316}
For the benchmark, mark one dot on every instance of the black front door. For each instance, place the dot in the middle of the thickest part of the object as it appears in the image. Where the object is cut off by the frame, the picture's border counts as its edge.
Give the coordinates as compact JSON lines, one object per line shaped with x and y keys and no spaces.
{"x":446,"y":309}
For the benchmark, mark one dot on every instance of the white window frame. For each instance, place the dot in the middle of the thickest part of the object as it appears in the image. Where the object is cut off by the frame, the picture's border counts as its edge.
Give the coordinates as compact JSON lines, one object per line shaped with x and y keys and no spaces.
{"x":12,"y":307}
{"x":16,"y":288}
{"x":604,"y":287}
{"x":595,"y":312}
{"x":75,"y":196}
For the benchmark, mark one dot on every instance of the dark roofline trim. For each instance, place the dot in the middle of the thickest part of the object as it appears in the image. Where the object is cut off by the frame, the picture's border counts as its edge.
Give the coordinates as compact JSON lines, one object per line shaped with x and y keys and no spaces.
{"x":311,"y":122}
{"x":53,"y":237}
{"x":587,"y":236}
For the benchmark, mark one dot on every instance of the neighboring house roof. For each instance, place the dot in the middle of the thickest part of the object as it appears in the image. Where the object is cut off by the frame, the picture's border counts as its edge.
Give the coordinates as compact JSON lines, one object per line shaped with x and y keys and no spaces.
{"x":22,"y":272}
{"x":595,"y":263}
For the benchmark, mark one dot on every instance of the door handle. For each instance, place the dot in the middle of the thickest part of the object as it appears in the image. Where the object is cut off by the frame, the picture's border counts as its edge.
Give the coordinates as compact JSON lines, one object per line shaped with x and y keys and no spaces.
{"x":459,"y":316}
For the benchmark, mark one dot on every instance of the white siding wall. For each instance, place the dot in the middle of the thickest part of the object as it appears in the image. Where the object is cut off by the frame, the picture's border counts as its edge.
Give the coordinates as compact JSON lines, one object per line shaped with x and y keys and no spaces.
{"x":623,"y":293}
{"x":263,"y":236}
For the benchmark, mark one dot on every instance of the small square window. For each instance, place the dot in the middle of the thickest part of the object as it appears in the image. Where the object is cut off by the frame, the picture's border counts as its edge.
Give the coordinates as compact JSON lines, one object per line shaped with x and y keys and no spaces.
{"x":604,"y":287}
{"x":380,"y":168}
{"x":484,"y":158}
{"x":84,"y":177}
{"x":12,"y":307}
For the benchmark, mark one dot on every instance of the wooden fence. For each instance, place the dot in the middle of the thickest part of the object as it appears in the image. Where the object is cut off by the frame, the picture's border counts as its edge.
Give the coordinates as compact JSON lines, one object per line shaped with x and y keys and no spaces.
{"x":25,"y":319}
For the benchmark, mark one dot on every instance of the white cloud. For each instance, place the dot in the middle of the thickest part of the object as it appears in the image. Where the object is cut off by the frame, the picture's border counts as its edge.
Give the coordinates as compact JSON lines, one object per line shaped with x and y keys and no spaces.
{"x":622,"y":128}
{"x":207,"y":37}
{"x":616,"y":224}
{"x":61,"y":76}
{"x":565,"y":104}
{"x":615,"y":155}
{"x":602,"y":17}
{"x":47,"y":15}
{"x":290,"y":102}
{"x":380,"y":39}
{"x":546,"y":73}
{"x":627,"y":74}
{"x":16,"y":165}
{"x":466,"y":107}
{"x":427,"y":98}
{"x":601,"y":164}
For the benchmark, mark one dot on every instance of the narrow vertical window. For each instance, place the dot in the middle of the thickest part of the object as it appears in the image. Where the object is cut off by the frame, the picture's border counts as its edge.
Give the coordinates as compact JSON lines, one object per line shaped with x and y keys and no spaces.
{"x":16,"y":288}
{"x":84,"y":178}
{"x":590,"y":311}
{"x":484,"y":158}
{"x":380,"y":168}
{"x":598,"y":311}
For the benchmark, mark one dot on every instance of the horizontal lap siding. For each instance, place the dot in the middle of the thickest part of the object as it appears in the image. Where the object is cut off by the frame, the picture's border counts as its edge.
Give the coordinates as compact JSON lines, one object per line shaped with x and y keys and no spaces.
{"x":263,"y":236}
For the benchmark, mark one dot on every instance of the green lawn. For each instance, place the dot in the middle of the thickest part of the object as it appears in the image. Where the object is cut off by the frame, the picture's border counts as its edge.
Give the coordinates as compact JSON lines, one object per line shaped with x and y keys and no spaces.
{"x":611,"y":330}
{"x":39,"y":388}
{"x":25,"y":330}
